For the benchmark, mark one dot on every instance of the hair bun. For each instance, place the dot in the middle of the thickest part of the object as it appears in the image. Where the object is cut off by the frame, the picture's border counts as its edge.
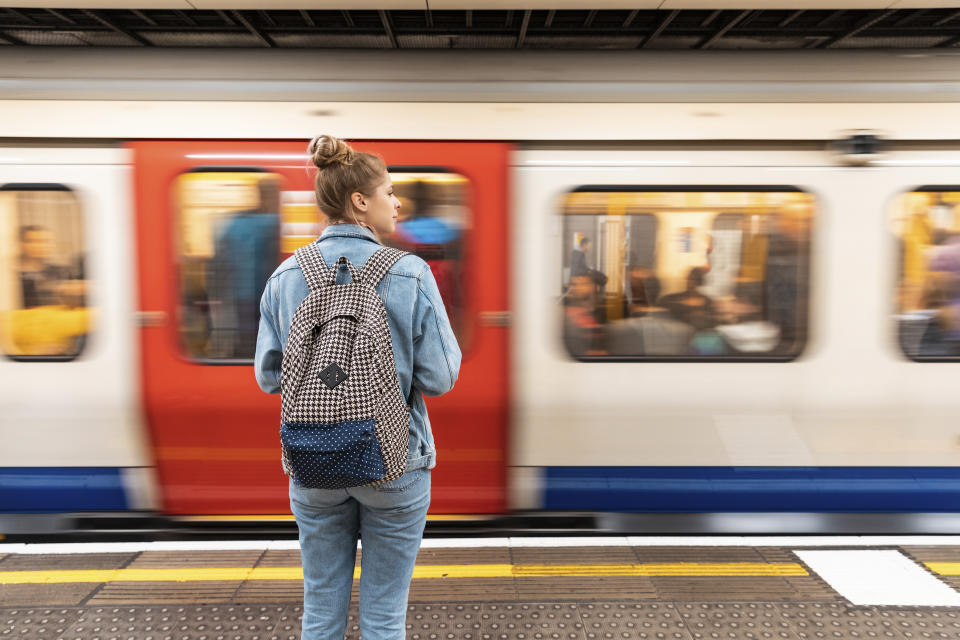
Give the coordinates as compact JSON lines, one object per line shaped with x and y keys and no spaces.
{"x":326,"y":151}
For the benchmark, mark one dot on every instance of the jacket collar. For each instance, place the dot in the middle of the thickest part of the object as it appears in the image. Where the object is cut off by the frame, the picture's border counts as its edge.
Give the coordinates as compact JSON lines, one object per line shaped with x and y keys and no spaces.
{"x":348,"y":231}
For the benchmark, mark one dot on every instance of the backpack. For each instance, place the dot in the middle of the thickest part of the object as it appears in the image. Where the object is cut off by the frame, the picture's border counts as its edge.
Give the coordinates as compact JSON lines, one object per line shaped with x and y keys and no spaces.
{"x":344,"y":420}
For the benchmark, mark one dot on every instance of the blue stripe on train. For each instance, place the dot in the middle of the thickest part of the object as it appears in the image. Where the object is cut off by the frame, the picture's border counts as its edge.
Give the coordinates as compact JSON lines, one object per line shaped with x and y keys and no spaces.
{"x":712,"y":489}
{"x":61,"y":489}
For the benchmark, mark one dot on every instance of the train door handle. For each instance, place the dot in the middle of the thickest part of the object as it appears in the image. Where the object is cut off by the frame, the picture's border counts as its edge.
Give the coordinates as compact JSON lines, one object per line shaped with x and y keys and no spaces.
{"x":145,"y":319}
{"x":495,"y":318}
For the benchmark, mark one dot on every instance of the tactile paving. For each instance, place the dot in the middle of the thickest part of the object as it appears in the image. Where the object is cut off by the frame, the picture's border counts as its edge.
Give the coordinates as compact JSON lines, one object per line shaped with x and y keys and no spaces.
{"x":444,"y":622}
{"x":925,"y":624}
{"x":838,"y":621}
{"x":213,"y":622}
{"x":531,"y":622}
{"x":742,"y":621}
{"x":653,"y":621}
{"x":37,"y":624}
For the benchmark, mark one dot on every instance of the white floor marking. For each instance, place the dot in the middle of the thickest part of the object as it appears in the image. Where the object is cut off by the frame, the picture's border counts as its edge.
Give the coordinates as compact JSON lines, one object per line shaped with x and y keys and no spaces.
{"x":470,"y":543}
{"x":879,"y":577}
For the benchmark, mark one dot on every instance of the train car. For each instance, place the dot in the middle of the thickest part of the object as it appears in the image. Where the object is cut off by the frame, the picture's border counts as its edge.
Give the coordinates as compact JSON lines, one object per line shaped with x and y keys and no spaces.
{"x":683,"y":287}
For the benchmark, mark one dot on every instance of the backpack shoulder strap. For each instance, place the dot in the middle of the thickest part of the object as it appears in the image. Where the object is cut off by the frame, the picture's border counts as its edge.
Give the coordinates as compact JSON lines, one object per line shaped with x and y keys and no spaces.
{"x":313,"y":265}
{"x":378,"y":264}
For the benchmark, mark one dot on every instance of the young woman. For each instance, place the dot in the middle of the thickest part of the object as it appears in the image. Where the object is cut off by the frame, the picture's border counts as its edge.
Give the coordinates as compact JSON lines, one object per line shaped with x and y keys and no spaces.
{"x":354,"y":191}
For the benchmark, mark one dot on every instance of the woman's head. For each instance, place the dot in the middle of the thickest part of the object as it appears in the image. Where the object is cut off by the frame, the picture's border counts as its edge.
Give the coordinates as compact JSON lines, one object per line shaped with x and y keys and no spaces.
{"x":352,"y":186}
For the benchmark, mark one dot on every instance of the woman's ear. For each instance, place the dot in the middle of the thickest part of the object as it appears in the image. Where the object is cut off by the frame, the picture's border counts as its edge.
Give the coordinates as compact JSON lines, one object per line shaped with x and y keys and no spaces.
{"x":359,"y":201}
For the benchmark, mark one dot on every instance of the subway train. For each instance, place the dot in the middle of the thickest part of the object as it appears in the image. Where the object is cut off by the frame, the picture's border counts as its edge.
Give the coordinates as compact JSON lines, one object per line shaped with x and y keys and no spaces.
{"x":697,"y":283}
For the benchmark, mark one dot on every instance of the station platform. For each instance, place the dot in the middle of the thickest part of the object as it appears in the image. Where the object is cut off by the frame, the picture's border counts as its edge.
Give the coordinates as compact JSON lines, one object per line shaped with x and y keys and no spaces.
{"x":609,"y":588}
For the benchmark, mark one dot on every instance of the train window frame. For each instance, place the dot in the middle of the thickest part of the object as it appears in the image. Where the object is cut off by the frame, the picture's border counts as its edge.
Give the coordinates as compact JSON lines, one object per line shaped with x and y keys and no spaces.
{"x":60,"y":187}
{"x":897,"y":270}
{"x":803,"y":341}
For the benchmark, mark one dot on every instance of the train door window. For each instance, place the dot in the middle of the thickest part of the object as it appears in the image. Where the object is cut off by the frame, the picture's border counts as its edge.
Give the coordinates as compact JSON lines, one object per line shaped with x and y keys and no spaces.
{"x":685,"y":273}
{"x":43,"y":285}
{"x":926,"y":224}
{"x":229,"y":243}
{"x":434,"y":221}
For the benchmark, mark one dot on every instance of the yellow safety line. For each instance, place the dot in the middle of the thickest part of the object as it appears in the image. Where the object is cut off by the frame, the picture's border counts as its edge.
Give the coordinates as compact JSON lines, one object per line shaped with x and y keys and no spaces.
{"x":420,"y":572}
{"x":944,"y":568}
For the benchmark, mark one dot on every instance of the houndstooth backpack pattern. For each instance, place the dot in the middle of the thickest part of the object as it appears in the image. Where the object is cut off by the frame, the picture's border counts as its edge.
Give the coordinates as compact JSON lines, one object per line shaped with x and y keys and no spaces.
{"x":344,"y":420}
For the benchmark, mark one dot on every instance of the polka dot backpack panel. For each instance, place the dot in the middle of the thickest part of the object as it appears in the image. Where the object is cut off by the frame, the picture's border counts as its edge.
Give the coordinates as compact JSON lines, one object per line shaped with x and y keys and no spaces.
{"x":344,"y":420}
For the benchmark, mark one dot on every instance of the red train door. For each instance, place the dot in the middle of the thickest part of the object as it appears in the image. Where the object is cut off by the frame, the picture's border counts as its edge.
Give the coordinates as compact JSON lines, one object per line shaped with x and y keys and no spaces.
{"x":205,"y":210}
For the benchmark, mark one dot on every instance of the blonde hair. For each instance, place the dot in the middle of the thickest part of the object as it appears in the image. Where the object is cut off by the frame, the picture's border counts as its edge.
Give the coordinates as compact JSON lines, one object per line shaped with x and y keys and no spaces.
{"x":341,"y":172}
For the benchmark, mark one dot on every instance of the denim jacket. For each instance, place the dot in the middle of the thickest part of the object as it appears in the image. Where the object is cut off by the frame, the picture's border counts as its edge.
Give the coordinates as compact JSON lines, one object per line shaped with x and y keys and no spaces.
{"x":425,"y":350}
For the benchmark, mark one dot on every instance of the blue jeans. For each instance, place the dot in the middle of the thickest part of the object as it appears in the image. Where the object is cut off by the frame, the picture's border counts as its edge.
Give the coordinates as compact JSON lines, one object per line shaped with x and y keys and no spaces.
{"x":389,"y":520}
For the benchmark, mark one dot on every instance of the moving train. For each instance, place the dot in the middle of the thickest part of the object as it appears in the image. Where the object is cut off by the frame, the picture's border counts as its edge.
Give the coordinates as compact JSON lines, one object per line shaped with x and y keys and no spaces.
{"x":683,"y":283}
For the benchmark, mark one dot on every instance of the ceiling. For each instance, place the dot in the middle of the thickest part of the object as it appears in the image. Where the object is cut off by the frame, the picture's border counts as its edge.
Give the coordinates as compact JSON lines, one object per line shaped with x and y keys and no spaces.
{"x":892,"y":24}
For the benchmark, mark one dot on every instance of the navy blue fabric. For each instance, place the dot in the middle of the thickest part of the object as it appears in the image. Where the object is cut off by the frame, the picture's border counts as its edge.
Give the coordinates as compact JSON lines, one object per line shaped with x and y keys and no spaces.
{"x":61,"y":489}
{"x":339,"y":454}
{"x":715,"y":489}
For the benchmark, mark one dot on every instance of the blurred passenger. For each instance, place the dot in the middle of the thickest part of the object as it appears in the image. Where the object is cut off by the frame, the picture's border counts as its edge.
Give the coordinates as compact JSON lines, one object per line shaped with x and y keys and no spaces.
{"x":787,"y":275}
{"x":650,"y":330}
{"x":247,"y":249}
{"x":690,"y":305}
{"x":940,"y":336}
{"x":40,"y":279}
{"x":53,"y":319}
{"x":945,"y":261}
{"x":583,"y":332}
{"x":578,"y":264}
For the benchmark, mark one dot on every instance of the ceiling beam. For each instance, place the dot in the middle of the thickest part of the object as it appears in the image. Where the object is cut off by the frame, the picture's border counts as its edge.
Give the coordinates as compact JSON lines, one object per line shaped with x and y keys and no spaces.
{"x":949,"y":18}
{"x":548,"y":22}
{"x":109,"y":25}
{"x":307,"y":17}
{"x":385,"y":21}
{"x":186,"y":18}
{"x":949,"y":42}
{"x":590,"y":18}
{"x":705,"y":44}
{"x":660,"y":28}
{"x":863,"y":25}
{"x":6,"y":37}
{"x":61,"y":16}
{"x":790,"y":18}
{"x":523,"y":28}
{"x":346,"y":16}
{"x":264,"y":38}
{"x":710,"y":18}
{"x":140,"y":14}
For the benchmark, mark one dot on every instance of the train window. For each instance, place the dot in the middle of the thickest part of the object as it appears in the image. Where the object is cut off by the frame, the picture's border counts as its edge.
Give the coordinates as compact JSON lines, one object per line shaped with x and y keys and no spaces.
{"x":229,"y":242}
{"x":43,"y":286}
{"x":685,"y":273}
{"x":926,"y":223}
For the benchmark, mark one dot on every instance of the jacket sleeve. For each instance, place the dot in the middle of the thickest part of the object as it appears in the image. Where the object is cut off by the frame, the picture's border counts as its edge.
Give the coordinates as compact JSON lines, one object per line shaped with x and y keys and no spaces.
{"x":436,"y":354}
{"x":269,"y":354}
